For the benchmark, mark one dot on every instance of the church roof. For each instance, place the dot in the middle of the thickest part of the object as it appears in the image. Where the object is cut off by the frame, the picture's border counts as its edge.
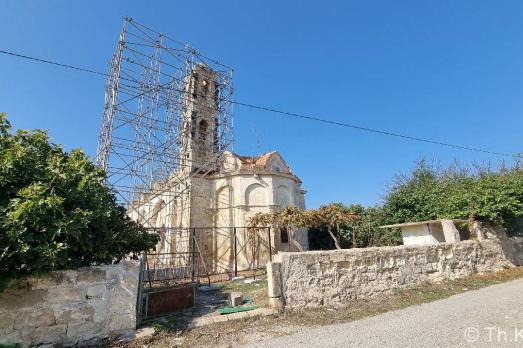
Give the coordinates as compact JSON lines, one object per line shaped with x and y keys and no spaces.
{"x":257,"y":161}
{"x":267,"y":162}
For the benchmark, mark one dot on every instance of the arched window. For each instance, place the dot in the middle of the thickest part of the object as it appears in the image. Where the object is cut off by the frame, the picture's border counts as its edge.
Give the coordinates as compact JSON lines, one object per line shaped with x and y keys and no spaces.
{"x":284,"y":235}
{"x":203,"y":129}
{"x":205,"y":85}
{"x":256,"y":195}
{"x":195,"y":86}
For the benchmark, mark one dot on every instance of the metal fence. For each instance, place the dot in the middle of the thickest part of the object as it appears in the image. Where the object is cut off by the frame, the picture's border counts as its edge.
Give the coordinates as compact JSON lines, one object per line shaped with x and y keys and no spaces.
{"x":184,"y":254}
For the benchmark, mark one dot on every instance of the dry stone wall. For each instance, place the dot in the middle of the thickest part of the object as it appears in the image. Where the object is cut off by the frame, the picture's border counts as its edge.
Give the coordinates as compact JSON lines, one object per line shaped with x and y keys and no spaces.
{"x":332,"y":278}
{"x":69,"y":307}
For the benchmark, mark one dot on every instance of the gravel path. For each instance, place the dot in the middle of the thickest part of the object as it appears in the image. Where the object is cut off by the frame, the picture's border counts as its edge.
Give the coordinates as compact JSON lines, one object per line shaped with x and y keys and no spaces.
{"x":492,"y":316}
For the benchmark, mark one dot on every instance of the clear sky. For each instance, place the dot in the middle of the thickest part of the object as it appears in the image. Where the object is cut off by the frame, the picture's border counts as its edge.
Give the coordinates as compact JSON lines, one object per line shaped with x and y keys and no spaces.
{"x":447,"y":70}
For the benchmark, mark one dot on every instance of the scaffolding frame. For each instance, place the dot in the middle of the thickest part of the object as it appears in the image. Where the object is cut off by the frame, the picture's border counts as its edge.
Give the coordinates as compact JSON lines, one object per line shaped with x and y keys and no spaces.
{"x":144,"y":130}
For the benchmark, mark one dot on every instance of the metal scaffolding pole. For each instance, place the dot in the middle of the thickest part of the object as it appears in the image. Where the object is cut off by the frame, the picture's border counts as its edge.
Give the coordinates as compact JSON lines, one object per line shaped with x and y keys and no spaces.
{"x":161,"y":99}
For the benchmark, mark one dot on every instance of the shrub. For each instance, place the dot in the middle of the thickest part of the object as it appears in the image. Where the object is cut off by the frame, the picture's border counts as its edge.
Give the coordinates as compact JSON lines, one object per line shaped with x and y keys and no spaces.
{"x":481,"y":194}
{"x":55,"y":211}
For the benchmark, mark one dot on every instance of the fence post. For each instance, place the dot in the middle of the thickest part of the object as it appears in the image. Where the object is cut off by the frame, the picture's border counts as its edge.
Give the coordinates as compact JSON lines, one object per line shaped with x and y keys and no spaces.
{"x":235,"y":249}
{"x":148,"y":270}
{"x":254,"y":255}
{"x":193,"y":251}
{"x":270,"y":244}
{"x":139,"y":300}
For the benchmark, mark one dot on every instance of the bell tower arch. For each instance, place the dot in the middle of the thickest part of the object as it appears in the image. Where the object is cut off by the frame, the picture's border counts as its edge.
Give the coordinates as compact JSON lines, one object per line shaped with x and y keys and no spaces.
{"x":200,"y":119}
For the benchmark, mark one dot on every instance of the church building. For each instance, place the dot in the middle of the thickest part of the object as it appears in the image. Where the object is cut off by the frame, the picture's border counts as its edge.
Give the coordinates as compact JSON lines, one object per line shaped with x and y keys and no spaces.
{"x":220,"y":191}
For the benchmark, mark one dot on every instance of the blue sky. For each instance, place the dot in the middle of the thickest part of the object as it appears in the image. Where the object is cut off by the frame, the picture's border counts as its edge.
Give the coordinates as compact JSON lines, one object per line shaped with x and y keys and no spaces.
{"x":446,"y":70}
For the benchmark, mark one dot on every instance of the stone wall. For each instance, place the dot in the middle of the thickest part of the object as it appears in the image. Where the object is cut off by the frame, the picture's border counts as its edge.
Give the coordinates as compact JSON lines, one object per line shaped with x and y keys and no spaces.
{"x":331,"y":278}
{"x":68,"y":307}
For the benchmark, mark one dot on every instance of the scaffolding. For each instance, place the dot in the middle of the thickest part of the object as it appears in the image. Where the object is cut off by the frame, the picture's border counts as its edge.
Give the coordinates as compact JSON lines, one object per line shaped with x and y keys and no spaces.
{"x":147,"y":144}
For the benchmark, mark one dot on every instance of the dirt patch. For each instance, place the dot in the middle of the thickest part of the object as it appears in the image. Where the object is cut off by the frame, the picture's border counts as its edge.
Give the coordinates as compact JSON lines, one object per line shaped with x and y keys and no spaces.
{"x":206,"y":304}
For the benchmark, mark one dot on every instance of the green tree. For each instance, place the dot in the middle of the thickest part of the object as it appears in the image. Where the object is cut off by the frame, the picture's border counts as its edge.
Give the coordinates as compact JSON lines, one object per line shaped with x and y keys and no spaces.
{"x":456,"y":192}
{"x":55,"y":211}
{"x":331,"y":217}
{"x":364,"y":231}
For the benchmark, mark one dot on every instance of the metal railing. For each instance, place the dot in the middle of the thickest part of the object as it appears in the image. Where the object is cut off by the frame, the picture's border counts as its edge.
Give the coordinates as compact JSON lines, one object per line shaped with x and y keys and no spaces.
{"x":184,"y":254}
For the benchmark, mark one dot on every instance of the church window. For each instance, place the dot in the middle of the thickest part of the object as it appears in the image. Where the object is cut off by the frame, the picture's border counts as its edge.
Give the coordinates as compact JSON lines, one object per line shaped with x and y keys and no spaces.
{"x":284,"y":235}
{"x":195,"y":87}
{"x":205,"y":85}
{"x":203,"y":130}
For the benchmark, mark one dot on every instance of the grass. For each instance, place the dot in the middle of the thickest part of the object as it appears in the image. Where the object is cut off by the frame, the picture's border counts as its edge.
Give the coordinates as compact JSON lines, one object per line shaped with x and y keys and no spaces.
{"x":256,"y":329}
{"x":256,"y":291}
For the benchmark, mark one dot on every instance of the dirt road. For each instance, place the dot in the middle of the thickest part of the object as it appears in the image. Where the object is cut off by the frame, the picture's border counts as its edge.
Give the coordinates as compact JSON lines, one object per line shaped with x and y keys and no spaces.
{"x":492,"y":316}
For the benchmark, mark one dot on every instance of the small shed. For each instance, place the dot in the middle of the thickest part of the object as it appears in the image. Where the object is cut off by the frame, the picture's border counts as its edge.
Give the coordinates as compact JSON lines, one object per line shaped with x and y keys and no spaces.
{"x":430,"y":232}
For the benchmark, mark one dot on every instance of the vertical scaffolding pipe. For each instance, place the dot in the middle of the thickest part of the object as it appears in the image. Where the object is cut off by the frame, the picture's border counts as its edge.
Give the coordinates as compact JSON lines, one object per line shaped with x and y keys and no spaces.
{"x":270,"y":243}
{"x":193,"y":252}
{"x":139,"y":299}
{"x":254,"y":255}
{"x":145,"y":131}
{"x":148,"y":270}
{"x":235,"y":251}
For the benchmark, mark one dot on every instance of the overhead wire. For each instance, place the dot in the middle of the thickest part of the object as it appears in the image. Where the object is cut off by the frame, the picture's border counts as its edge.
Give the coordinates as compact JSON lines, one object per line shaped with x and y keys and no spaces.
{"x":287,"y":113}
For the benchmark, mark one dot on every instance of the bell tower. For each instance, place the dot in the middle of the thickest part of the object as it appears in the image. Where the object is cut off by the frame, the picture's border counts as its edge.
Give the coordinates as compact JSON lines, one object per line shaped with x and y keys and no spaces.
{"x":200,"y":141}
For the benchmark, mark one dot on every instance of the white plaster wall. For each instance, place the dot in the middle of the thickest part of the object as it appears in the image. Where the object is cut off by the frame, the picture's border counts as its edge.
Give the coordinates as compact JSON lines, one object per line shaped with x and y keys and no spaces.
{"x":417,"y":235}
{"x":222,"y":202}
{"x":436,"y":230}
{"x":250,"y":194}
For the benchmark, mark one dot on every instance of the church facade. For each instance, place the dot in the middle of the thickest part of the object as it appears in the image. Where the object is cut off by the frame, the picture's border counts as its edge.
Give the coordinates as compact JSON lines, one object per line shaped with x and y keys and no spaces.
{"x":220,"y":193}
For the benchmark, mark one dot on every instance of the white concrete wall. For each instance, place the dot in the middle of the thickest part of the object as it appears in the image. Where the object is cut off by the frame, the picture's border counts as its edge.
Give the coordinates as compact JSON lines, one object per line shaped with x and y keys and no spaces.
{"x":418,"y":235}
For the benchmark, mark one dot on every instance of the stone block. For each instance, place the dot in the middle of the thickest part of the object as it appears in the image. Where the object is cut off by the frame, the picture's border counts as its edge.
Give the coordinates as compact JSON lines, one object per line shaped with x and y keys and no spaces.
{"x":11,"y":337}
{"x":274,"y":282}
{"x":78,"y":332}
{"x":90,"y":275}
{"x":51,"y":335}
{"x":129,"y":281}
{"x":120,"y":299}
{"x":121,"y":322}
{"x":65,"y":294}
{"x":75,"y":314}
{"x":450,"y":231}
{"x":7,"y":321}
{"x":38,"y":317}
{"x":276,"y":303}
{"x":235,"y":299}
{"x":53,"y":279}
{"x":96,"y":292}
{"x":14,"y":299}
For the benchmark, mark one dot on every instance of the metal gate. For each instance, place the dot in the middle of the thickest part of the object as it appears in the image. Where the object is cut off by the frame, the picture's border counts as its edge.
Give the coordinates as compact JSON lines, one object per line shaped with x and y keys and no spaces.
{"x":186,"y":257}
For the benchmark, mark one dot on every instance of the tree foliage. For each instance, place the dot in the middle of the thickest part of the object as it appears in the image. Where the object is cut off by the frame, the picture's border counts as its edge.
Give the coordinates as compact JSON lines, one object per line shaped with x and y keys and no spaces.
{"x":292,"y":219}
{"x":359,"y":230}
{"x":55,"y":212}
{"x":331,"y":217}
{"x":457,"y":192}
